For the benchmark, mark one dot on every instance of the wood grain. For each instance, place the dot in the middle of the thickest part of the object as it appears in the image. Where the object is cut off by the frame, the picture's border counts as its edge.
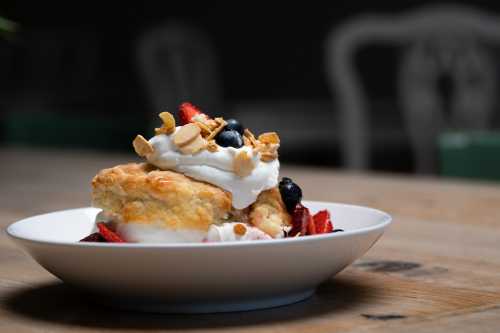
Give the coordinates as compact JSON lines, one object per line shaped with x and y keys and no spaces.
{"x":436,"y":269}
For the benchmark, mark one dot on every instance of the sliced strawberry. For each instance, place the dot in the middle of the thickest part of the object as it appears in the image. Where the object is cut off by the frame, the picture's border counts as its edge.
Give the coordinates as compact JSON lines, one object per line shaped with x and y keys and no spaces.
{"x":95,"y":237}
{"x":322,"y":223}
{"x":301,"y":219}
{"x":109,"y":235}
{"x":311,"y":227}
{"x":187,"y":111}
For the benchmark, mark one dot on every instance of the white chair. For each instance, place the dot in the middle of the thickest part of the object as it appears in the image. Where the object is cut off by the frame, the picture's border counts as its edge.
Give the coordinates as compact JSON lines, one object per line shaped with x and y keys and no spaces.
{"x":177,"y":63}
{"x":438,"y":41}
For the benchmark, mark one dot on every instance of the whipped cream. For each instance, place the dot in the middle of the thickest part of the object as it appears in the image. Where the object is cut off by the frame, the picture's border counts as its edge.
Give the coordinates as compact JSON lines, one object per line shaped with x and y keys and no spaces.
{"x":146,"y":233}
{"x":217,"y":168}
{"x":225,"y":233}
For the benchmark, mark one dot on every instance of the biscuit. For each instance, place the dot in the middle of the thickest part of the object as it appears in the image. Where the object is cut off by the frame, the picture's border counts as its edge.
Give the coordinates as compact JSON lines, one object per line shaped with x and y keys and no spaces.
{"x":141,"y":193}
{"x":269,"y":213}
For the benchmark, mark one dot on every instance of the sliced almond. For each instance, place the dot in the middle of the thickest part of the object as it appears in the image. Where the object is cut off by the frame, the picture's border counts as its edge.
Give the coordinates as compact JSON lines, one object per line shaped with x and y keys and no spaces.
{"x":202,"y":118}
{"x":221,"y":124}
{"x":168,"y":122}
{"x":268,"y":152}
{"x":141,"y":146}
{"x":186,"y":134}
{"x":205,"y":130}
{"x":246,"y":141}
{"x":239,"y":229}
{"x":269,"y":137}
{"x":212,"y":124}
{"x":260,"y":147}
{"x":272,"y":148}
{"x":194,"y":146}
{"x":212,"y":146}
{"x":249,"y":135}
{"x":160,"y":130}
{"x":243,"y":164}
{"x":268,"y":156}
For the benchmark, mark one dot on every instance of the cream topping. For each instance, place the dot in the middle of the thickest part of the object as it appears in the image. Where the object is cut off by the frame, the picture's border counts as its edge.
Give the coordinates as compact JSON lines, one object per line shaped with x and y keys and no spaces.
{"x":217,"y":168}
{"x":145,"y":233}
{"x":226,"y":233}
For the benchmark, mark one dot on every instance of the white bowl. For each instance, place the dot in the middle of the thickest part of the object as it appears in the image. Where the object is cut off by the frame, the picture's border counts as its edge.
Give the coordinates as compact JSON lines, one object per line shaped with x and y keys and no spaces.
{"x":189,"y":278}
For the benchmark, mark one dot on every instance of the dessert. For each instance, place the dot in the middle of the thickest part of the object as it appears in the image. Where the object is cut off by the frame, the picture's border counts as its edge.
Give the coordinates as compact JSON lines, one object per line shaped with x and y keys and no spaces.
{"x":203,"y":180}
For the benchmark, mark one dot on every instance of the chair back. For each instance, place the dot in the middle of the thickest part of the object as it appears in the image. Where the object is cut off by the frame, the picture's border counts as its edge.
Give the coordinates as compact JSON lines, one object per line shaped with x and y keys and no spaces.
{"x":446,"y":76}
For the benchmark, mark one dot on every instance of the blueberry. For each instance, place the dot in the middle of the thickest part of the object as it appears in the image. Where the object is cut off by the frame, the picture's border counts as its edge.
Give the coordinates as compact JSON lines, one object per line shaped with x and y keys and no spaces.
{"x":229,"y":138}
{"x":235,"y":125}
{"x":290,"y":193}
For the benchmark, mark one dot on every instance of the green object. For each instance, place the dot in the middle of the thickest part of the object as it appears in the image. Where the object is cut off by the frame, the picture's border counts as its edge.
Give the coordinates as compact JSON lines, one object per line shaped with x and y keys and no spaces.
{"x":470,"y":155}
{"x":8,"y":28}
{"x":61,"y":131}
{"x":7,"y":25}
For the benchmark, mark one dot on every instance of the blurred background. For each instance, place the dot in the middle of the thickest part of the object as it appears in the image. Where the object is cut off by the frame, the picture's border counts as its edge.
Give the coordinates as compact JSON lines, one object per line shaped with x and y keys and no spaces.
{"x":396,"y":86}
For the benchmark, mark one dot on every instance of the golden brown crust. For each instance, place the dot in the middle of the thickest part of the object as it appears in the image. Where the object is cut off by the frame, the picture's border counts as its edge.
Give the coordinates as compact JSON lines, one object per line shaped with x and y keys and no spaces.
{"x":269,"y":213}
{"x":141,"y":193}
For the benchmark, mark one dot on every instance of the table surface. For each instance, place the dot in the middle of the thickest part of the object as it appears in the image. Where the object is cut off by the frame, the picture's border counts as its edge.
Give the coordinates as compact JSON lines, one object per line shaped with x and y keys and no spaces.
{"x":436,"y":269}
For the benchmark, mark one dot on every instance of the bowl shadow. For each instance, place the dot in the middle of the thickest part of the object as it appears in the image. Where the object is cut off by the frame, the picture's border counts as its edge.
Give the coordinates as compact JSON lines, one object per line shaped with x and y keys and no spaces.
{"x":64,"y":305}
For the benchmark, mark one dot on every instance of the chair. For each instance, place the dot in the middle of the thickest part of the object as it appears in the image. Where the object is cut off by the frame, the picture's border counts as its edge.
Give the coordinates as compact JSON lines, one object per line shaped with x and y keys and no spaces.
{"x":177,"y":63}
{"x":441,"y":44}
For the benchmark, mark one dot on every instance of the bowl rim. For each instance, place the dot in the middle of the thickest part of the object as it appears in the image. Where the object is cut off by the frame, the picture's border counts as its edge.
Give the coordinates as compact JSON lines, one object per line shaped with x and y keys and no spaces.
{"x":384,"y":222}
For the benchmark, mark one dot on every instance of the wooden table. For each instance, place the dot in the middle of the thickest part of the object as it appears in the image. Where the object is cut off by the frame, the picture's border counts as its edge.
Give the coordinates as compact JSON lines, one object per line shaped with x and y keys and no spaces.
{"x":436,"y":269}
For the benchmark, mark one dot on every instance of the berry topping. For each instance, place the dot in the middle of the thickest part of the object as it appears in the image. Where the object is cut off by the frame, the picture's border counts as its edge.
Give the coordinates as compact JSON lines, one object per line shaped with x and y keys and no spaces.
{"x":229,"y":138}
{"x":322,"y":223}
{"x":95,"y":237}
{"x":108,"y":234}
{"x":290,"y":193}
{"x":187,"y":111}
{"x":235,"y":125}
{"x":301,"y":219}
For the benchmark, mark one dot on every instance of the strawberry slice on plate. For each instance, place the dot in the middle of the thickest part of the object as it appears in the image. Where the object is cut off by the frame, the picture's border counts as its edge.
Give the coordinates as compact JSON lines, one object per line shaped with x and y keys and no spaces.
{"x":301,"y":219}
{"x":322,"y":223}
{"x":108,"y":234}
{"x":95,"y":237}
{"x":187,"y":111}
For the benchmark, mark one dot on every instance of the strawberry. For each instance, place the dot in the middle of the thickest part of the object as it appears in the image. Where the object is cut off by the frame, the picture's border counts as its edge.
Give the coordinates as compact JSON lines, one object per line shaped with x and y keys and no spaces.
{"x":311,"y":228}
{"x":187,"y":111}
{"x":301,"y":219}
{"x":95,"y":237}
{"x":322,"y":223}
{"x":109,"y":235}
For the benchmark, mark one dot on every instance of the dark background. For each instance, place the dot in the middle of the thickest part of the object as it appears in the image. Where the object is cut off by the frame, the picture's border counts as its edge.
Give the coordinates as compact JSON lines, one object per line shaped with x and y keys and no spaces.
{"x":267,"y":51}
